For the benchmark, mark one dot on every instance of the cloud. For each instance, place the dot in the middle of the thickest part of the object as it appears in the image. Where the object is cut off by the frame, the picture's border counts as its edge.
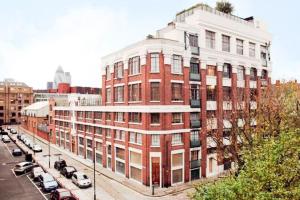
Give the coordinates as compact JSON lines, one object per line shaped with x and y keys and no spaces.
{"x":76,"y":41}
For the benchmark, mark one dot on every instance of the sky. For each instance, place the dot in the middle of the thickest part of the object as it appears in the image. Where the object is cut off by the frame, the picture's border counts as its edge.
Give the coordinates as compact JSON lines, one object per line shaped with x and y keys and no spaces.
{"x":36,"y":36}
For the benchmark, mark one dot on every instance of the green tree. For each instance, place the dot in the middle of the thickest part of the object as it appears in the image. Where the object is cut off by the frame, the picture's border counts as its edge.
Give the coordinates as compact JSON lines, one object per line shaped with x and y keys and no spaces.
{"x":225,"y":7}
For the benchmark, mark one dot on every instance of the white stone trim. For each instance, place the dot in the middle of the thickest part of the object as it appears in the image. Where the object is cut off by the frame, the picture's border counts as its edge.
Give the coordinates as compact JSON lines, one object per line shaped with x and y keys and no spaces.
{"x":119,"y":84}
{"x":177,"y":81}
{"x":154,"y":80}
{"x":134,"y":82}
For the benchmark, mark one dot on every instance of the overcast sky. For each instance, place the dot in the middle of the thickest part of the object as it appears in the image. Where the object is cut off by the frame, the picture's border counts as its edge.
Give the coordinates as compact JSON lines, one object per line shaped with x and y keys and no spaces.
{"x":38,"y":35}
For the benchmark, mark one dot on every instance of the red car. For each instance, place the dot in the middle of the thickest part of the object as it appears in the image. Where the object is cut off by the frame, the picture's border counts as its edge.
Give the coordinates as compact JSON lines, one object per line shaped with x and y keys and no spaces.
{"x":61,"y":194}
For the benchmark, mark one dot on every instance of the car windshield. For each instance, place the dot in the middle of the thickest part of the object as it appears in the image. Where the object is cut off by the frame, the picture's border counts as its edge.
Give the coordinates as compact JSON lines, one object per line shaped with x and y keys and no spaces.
{"x":17,"y":150}
{"x":82,"y":177}
{"x":48,"y":178}
{"x":65,"y":194}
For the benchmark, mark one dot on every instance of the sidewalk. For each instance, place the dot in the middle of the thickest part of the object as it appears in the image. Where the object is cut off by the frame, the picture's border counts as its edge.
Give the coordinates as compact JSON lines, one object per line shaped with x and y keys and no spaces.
{"x":141,"y":189}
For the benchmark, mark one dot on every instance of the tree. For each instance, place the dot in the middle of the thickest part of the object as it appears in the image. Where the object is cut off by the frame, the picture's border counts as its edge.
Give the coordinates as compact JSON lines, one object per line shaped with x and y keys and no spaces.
{"x":225,"y":7}
{"x":271,"y":171}
{"x":267,"y":154}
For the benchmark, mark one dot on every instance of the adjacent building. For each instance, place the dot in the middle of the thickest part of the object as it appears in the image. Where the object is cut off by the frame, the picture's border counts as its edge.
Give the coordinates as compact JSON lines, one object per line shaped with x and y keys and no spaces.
{"x":164,"y":96}
{"x":13,"y":97}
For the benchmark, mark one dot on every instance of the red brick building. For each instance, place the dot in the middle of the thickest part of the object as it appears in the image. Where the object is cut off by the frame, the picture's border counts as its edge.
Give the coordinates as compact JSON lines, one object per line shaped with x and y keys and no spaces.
{"x":161,"y":98}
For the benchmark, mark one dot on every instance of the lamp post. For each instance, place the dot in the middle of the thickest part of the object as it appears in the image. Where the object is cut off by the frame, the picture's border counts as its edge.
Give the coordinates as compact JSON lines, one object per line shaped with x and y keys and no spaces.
{"x":50,"y":133}
{"x":94,"y":172}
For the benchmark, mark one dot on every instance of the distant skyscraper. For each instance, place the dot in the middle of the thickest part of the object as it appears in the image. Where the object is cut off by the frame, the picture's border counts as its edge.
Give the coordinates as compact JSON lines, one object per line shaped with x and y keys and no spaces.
{"x":49,"y":85}
{"x":61,"y":77}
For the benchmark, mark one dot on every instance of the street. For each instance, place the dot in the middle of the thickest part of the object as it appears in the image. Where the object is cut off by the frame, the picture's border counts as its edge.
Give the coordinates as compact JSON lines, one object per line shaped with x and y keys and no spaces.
{"x":14,"y":187}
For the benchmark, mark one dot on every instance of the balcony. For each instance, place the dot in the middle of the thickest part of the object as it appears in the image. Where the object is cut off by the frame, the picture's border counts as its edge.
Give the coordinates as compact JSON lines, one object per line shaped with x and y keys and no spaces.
{"x":195,"y":164}
{"x":195,"y":124}
{"x":194,"y":77}
{"x":195,"y":103}
{"x":195,"y":50}
{"x":195,"y":143}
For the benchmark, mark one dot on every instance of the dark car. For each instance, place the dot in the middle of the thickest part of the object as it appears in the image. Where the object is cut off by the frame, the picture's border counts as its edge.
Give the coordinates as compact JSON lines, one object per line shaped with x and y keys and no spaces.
{"x":4,"y":133}
{"x":60,"y":164}
{"x":47,"y":182}
{"x":24,"y":167}
{"x":17,"y":152}
{"x":19,"y":136}
{"x":61,"y":194}
{"x":68,"y":171}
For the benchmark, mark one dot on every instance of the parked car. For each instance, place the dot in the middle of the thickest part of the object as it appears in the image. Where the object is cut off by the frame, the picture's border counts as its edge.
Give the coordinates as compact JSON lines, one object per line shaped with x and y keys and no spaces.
{"x":37,"y":148}
{"x":24,"y":167}
{"x":22,"y":138}
{"x":81,"y":180}
{"x":36,"y":172}
{"x":68,"y":171}
{"x":8,"y":128}
{"x":31,"y":144}
{"x":27,"y":142}
{"x":13,"y":131}
{"x":19,"y":136}
{"x":17,"y":152}
{"x":47,"y":182}
{"x":61,"y":194}
{"x":60,"y":164}
{"x":5,"y":139}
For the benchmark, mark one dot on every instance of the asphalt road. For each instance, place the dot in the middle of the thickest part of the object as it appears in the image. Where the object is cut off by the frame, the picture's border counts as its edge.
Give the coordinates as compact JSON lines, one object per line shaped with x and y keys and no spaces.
{"x":14,"y":187}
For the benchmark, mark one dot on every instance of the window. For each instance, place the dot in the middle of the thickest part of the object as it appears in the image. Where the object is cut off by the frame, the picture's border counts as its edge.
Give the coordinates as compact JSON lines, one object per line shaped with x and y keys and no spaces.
{"x":135,"y":173}
{"x":193,"y":39}
{"x":98,"y":130}
{"x":119,"y":117}
{"x":225,"y":43}
{"x":107,"y":72}
{"x":211,"y":93}
{"x":89,"y":143}
{"x":252,"y":49}
{"x":98,"y":115}
{"x":89,"y":115}
{"x":176,"y":91}
{"x":155,"y":140}
{"x":120,"y":135}
{"x":108,"y":133}
{"x":119,"y":94}
{"x":177,"y":160}
{"x":176,"y":138}
{"x":195,"y":92}
{"x":253,"y":74}
{"x":264,"y":74}
{"x":176,"y":118}
{"x":210,"y":39}
{"x":135,"y":138}
{"x":155,"y":118}
{"x":155,"y":91}
{"x":253,"y":94}
{"x":194,"y":136}
{"x":120,"y":167}
{"x":194,"y":66}
{"x":176,"y":64}
{"x":240,"y":94}
{"x":211,"y":70}
{"x":135,"y":117}
{"x":263,"y":53}
{"x":120,"y":153}
{"x":211,"y":114}
{"x":107,"y":116}
{"x":108,"y":95}
{"x":226,"y":93}
{"x":226,"y":70}
{"x":240,"y":73}
{"x":118,"y":67}
{"x":154,"y":62}
{"x":135,"y":158}
{"x":239,"y":46}
{"x":135,"y":92}
{"x":134,"y":65}
{"x":194,"y":116}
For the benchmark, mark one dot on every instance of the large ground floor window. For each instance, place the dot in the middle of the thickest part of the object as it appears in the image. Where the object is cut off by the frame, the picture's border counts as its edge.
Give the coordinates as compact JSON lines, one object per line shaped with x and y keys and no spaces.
{"x":120,"y":167}
{"x":99,"y":158}
{"x":136,"y":173}
{"x":89,"y":154}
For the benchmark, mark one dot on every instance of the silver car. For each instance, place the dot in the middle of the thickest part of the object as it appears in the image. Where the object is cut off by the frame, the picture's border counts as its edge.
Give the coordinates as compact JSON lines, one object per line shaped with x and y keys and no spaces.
{"x":24,"y":167}
{"x":81,"y":180}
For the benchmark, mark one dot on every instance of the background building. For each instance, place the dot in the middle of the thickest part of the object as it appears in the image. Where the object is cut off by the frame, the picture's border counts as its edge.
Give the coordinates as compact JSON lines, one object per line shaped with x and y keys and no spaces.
{"x":13,"y":97}
{"x":61,"y":77}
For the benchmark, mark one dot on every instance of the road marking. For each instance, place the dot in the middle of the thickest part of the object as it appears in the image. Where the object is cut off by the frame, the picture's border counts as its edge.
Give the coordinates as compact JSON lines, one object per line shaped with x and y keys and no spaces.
{"x":9,"y":151}
{"x":37,"y":187}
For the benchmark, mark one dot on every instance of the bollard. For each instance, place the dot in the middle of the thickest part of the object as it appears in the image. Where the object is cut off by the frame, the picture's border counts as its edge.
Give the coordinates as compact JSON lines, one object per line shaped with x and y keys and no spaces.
{"x":152,"y":189}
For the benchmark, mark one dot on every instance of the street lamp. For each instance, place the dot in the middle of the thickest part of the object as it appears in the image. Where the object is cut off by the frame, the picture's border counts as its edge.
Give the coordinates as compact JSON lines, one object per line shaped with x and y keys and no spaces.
{"x":94,"y":172}
{"x":50,"y":133}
